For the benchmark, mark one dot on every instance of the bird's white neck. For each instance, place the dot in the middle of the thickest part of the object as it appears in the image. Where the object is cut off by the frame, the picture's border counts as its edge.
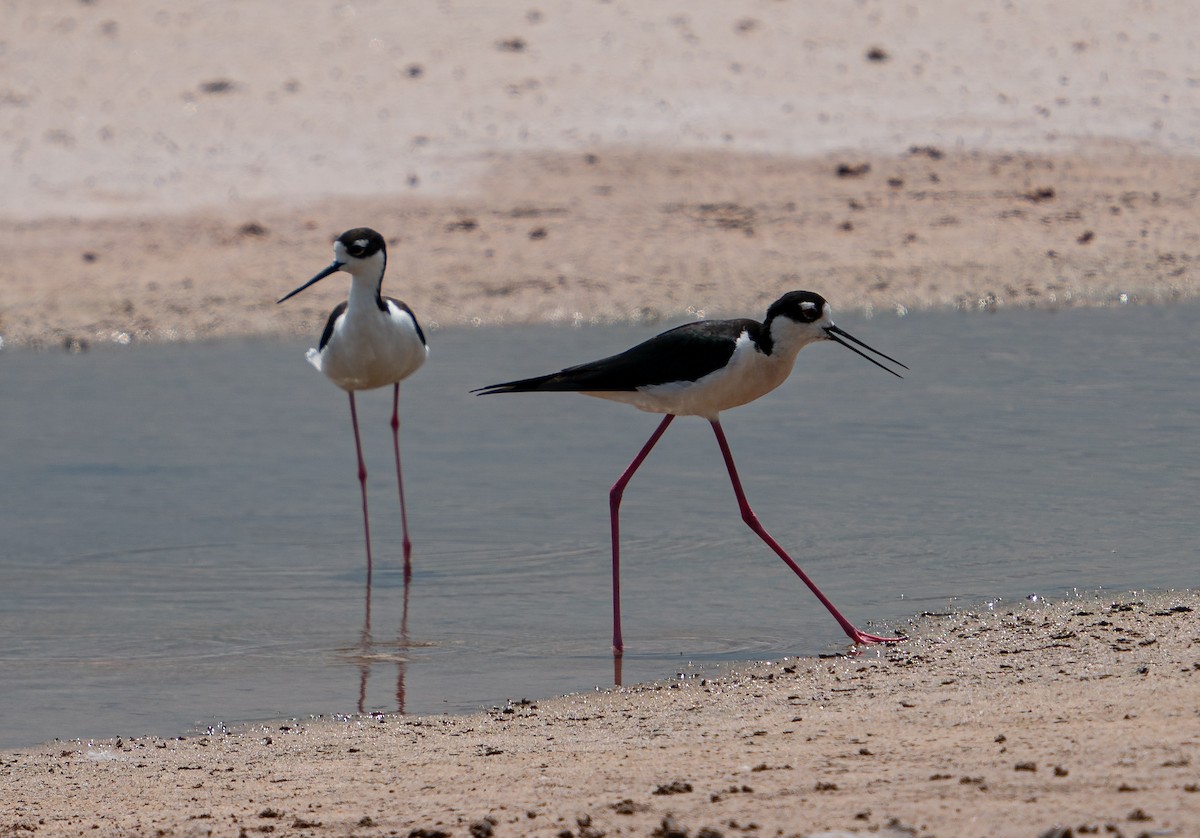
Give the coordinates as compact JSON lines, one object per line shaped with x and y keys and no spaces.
{"x":789,"y":337}
{"x":364,"y":288}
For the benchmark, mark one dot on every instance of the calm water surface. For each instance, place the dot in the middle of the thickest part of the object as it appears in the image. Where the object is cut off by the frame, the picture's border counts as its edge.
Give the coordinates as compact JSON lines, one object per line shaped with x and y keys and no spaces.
{"x":180,"y":541}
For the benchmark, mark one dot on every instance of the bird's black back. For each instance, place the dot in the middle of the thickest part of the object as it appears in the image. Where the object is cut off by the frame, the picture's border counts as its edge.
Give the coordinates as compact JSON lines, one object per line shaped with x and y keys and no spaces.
{"x":685,"y":353}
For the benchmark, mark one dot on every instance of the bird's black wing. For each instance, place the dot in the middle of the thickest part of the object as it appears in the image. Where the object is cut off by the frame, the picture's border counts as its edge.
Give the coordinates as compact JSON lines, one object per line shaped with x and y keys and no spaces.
{"x":685,"y":353}
{"x":333,"y":316}
{"x":403,"y":306}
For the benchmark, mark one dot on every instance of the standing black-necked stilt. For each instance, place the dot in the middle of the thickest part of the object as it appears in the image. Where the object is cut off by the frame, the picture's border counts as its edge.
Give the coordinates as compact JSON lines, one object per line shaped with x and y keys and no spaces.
{"x":369,"y":341}
{"x":700,"y":369}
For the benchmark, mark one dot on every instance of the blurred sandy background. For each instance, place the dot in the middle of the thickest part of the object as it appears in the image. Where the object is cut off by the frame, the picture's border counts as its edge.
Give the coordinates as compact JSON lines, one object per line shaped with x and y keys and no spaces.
{"x":171,"y":169}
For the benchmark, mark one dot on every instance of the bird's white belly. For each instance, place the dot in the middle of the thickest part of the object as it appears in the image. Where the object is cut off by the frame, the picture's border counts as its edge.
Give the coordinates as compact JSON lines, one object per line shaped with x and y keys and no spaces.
{"x":373,"y":352}
{"x":748,"y":377}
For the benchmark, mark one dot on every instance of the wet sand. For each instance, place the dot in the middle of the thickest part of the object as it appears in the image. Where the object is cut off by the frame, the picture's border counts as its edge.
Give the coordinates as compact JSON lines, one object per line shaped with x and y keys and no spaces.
{"x":173,"y":172}
{"x":1079,"y":715}
{"x":644,"y":235}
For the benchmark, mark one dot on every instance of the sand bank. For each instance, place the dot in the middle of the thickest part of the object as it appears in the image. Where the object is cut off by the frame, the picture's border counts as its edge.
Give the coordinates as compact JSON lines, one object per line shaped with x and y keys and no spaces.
{"x":1080,"y":715}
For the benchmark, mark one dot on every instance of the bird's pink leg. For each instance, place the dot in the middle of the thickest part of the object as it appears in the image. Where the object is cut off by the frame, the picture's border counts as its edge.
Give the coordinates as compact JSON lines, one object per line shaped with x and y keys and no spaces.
{"x":752,"y":521}
{"x":362,"y":481}
{"x":400,"y":480}
{"x":614,"y":505}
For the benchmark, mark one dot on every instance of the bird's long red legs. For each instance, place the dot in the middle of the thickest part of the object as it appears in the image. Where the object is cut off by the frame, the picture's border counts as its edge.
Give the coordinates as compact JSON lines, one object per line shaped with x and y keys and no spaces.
{"x":362,"y":480}
{"x":614,"y":505}
{"x":752,"y":521}
{"x":400,"y":480}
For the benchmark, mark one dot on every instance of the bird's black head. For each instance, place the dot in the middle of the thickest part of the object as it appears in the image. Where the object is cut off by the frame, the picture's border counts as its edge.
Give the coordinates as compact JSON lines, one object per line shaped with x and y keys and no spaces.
{"x":361,"y":242}
{"x":800,"y":306}
{"x":354,"y":251}
{"x":801,"y":317}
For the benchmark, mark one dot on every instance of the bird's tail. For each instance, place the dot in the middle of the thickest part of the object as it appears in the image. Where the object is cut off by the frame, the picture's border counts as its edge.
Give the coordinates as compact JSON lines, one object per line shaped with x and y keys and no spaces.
{"x":314,"y":358}
{"x":525,"y":385}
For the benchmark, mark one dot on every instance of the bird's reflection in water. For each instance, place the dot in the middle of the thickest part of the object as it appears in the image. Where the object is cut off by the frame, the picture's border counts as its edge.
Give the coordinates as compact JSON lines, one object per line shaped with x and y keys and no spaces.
{"x":368,"y":653}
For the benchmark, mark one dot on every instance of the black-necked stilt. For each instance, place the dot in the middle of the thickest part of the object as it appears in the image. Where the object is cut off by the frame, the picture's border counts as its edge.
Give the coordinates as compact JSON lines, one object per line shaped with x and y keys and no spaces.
{"x":369,"y":341}
{"x":700,"y":369}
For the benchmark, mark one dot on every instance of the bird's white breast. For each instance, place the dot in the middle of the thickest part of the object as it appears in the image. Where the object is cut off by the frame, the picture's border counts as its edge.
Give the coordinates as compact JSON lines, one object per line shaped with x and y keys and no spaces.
{"x":369,"y":348}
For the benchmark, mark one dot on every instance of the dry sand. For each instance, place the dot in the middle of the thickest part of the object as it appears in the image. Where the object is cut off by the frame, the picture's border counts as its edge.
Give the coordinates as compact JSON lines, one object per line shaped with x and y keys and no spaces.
{"x":171,"y":171}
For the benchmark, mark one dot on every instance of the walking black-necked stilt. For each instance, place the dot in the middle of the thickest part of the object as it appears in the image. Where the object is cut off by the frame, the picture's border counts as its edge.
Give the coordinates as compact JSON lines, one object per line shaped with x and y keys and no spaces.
{"x":700,"y":369}
{"x":369,"y":341}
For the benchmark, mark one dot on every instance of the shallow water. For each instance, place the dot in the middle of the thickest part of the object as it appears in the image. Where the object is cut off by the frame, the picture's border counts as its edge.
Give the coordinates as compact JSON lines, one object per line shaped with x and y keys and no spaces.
{"x":182,"y":541}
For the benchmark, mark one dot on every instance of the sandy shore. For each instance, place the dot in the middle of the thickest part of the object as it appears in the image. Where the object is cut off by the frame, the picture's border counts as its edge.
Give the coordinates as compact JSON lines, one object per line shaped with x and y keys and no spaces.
{"x":171,"y":174}
{"x":1080,"y":715}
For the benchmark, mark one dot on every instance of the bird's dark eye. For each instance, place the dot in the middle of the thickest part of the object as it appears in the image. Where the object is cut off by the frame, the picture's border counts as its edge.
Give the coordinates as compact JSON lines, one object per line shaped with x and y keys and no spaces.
{"x":810,"y":312}
{"x":361,"y":242}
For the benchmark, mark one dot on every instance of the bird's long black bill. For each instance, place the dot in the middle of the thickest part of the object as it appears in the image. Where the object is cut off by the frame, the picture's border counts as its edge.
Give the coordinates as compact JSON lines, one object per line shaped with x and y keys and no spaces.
{"x":834,"y":332}
{"x":332,"y":269}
